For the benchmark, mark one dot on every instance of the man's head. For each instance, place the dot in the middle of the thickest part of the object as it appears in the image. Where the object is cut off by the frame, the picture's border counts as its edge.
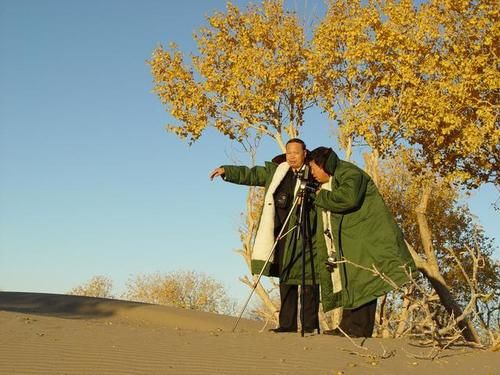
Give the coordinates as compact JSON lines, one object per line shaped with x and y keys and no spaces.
{"x":296,"y":153}
{"x":318,"y":158}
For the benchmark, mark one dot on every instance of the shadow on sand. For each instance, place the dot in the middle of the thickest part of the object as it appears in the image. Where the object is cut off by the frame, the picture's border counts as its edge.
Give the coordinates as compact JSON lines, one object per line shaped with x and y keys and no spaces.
{"x":62,"y":306}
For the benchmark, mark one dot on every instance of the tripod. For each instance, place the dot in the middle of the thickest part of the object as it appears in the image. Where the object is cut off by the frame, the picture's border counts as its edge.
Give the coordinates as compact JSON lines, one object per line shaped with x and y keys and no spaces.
{"x":305,"y":230}
{"x":300,"y":229}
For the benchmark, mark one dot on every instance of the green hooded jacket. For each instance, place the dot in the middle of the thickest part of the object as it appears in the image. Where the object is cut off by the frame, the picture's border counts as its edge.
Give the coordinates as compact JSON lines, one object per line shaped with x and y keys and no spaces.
{"x":364,"y":234}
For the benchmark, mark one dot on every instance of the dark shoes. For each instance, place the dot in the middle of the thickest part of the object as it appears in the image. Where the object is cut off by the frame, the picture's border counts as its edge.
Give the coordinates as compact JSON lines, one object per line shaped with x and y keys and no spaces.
{"x":309,"y":330}
{"x":282,"y":330}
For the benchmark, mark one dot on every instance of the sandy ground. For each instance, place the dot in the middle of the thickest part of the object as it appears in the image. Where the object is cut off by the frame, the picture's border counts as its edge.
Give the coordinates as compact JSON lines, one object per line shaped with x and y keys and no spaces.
{"x":58,"y":334}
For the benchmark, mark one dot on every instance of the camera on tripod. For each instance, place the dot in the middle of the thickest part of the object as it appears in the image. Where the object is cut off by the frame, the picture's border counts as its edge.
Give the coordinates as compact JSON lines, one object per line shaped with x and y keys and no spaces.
{"x":307,"y":183}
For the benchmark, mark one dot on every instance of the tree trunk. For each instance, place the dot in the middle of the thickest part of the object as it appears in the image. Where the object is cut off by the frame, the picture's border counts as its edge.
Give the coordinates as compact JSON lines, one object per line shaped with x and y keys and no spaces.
{"x":430,"y":269}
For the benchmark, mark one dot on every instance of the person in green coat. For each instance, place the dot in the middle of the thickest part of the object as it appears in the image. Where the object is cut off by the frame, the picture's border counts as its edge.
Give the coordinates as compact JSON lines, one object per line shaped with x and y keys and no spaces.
{"x":281,"y":183}
{"x":360,"y":242}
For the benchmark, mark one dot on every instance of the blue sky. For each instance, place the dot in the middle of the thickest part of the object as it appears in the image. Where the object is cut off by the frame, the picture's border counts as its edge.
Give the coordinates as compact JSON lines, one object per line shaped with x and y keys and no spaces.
{"x":91,"y":183}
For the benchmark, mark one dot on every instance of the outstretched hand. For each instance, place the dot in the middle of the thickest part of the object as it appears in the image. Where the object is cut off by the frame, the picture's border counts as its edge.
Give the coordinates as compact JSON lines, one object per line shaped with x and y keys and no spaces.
{"x":217,"y":172}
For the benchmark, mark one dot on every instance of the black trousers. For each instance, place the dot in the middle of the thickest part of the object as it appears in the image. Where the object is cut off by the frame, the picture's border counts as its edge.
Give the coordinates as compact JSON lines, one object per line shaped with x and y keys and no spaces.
{"x":289,"y":305}
{"x":359,"y":322}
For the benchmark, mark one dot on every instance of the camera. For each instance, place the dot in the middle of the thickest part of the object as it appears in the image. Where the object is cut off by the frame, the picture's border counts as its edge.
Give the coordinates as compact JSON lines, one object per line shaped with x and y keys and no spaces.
{"x":307,"y":183}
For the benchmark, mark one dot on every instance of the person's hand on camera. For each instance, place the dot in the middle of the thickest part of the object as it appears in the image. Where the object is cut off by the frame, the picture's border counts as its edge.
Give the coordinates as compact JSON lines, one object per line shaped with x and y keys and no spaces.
{"x":217,"y":172}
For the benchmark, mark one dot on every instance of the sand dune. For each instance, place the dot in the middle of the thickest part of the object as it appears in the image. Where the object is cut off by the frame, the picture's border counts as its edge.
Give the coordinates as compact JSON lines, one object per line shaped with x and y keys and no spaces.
{"x":59,"y":334}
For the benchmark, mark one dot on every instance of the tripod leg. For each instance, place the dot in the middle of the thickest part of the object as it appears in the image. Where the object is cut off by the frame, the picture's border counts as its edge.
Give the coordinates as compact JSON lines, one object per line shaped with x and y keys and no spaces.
{"x":313,"y":298}
{"x":280,"y":235}
{"x":316,"y":297}
{"x":303,"y":256}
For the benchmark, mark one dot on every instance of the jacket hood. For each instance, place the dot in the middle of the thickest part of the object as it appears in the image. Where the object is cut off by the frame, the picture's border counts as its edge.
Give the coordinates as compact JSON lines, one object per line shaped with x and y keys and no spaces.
{"x":331,"y":163}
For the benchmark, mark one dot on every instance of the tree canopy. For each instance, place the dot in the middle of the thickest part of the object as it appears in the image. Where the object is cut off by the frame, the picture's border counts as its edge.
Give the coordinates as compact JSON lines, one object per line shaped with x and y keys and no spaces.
{"x":250,"y":75}
{"x":394,"y":76}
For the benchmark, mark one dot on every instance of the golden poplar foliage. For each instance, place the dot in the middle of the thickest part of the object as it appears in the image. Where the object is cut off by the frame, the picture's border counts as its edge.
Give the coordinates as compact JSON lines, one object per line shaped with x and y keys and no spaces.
{"x":250,"y":75}
{"x":454,"y":227}
{"x":396,"y":76}
{"x":455,"y":233}
{"x":419,"y":85}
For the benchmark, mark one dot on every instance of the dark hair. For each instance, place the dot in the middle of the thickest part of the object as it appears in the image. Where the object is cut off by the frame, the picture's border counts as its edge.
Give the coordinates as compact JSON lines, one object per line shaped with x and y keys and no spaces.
{"x":320,"y":155}
{"x":297,"y":140}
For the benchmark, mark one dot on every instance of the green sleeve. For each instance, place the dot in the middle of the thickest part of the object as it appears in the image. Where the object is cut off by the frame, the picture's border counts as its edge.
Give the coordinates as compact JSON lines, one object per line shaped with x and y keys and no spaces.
{"x":348,"y":196}
{"x":241,"y":175}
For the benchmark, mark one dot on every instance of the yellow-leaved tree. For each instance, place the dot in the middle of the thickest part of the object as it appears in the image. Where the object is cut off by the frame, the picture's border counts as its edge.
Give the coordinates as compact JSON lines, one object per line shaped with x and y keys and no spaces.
{"x":463,"y":253}
{"x":393,"y":76}
{"x":396,"y":76}
{"x":248,"y":80}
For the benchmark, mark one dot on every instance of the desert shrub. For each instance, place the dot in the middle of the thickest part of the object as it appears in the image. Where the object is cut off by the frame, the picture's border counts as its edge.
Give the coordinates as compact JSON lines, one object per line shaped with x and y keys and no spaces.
{"x":98,"y":286}
{"x":186,"y":289}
